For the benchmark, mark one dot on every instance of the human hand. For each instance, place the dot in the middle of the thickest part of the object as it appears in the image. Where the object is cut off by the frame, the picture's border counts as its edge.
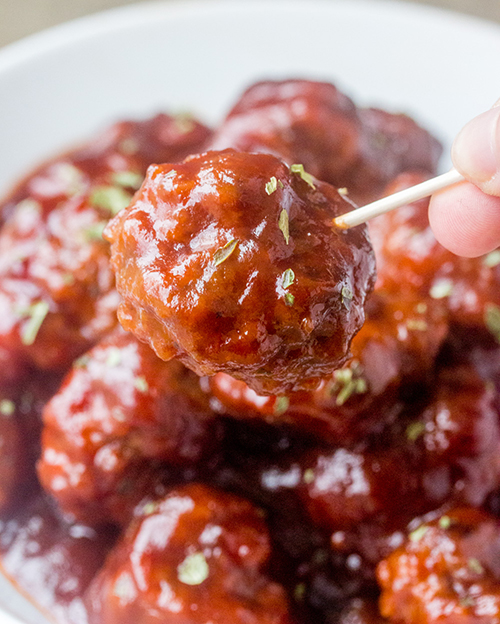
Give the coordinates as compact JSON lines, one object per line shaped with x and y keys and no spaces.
{"x":465,"y":218}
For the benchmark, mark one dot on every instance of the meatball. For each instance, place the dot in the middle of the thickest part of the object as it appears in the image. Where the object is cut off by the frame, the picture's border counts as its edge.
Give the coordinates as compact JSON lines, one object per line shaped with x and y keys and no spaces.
{"x":392,"y":354}
{"x":197,"y":555}
{"x":409,"y":259}
{"x":315,"y":124}
{"x":57,"y":294}
{"x":120,"y":415}
{"x":230,"y":263}
{"x":446,"y":572}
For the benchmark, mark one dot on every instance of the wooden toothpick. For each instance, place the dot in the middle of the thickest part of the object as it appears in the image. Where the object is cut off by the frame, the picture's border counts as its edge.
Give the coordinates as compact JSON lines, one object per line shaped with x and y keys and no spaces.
{"x":407,"y":196}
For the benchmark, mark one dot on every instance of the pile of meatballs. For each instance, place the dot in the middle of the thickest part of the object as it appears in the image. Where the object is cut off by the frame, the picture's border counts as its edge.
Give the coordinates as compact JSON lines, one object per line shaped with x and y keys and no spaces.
{"x":217,"y":407}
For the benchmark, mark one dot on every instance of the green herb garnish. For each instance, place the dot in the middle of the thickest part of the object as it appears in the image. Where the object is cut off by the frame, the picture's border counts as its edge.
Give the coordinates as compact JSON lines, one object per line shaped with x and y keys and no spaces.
{"x":347,"y":296}
{"x":223,"y":253}
{"x":492,"y":319}
{"x":445,"y":522}
{"x":441,"y":288}
{"x":415,"y":430}
{"x":114,"y":357}
{"x":140,"y":384}
{"x":288,"y":278}
{"x":416,"y":325}
{"x":308,"y":476}
{"x":271,"y":186}
{"x":307,"y":177}
{"x":113,"y":199}
{"x":281,"y":405}
{"x":346,"y":382}
{"x":475,"y":565}
{"x":193,"y":570}
{"x":289,"y":299}
{"x":36,"y":316}
{"x":418,"y":534}
{"x":284,"y":226}
{"x":492,"y":259}
{"x":128,"y":179}
{"x":7,"y":407}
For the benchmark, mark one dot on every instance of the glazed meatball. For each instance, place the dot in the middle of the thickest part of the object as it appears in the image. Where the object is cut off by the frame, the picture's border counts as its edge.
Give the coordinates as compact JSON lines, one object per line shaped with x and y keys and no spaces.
{"x":120,"y":415}
{"x":51,"y":560}
{"x":409,"y":259}
{"x":230,"y":263}
{"x":57,"y":294}
{"x":315,"y":124}
{"x":447,"y":451}
{"x":446,"y":572}
{"x":392,"y":354}
{"x":197,"y":555}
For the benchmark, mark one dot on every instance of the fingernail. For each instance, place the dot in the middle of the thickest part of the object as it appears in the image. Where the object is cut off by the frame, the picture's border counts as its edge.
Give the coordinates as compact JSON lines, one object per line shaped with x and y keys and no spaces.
{"x":476,"y":150}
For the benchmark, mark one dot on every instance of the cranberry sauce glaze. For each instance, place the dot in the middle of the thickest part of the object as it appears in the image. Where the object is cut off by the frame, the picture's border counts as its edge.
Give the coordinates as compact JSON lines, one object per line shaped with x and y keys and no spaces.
{"x":339,"y":460}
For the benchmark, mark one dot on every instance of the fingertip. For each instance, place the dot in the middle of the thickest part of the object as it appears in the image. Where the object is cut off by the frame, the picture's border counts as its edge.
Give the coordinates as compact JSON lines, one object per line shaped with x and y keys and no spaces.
{"x":465,"y":220}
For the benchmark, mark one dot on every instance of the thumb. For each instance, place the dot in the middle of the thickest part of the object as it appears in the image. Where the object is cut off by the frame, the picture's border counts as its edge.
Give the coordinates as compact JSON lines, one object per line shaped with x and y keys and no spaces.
{"x":476,"y":151}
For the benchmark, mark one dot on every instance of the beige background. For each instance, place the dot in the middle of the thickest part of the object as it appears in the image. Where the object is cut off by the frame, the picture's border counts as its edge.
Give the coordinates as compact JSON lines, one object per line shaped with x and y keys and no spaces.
{"x":22,"y":17}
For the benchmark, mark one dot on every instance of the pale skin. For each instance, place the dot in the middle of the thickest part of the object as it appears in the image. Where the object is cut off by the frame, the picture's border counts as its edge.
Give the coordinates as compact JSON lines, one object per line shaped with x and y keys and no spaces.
{"x":465,"y":218}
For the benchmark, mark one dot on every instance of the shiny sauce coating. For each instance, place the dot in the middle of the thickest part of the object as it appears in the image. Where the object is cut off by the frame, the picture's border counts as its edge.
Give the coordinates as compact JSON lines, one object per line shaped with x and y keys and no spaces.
{"x":162,"y":496}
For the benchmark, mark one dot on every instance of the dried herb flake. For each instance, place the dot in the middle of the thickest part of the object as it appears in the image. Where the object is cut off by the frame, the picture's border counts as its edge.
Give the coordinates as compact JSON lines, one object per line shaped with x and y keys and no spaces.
{"x":193,"y":570}
{"x":271,"y":186}
{"x":288,"y":278}
{"x":284,"y":225}
{"x":113,"y":199}
{"x":223,"y":253}
{"x":492,"y":319}
{"x":307,"y":177}
{"x":36,"y":316}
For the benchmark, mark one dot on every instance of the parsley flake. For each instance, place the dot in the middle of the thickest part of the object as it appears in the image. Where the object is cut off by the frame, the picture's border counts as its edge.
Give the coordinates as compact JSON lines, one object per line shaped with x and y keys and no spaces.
{"x":307,"y":177}
{"x":441,"y":288}
{"x":347,"y":296}
{"x":299,"y":592}
{"x":418,"y":534}
{"x":223,"y":253}
{"x":289,"y":299}
{"x":281,"y":405}
{"x":128,"y":179}
{"x":36,"y":316}
{"x":416,"y":325}
{"x":7,"y":407}
{"x":346,"y":382}
{"x":288,"y":278}
{"x":271,"y":186}
{"x":415,"y":430}
{"x":284,"y":225}
{"x":308,"y":477}
{"x":113,"y":199}
{"x":184,"y":123}
{"x":492,"y":259}
{"x":492,"y":319}
{"x":475,"y":565}
{"x":140,"y":384}
{"x":193,"y":570}
{"x":444,"y":522}
{"x":114,"y":357}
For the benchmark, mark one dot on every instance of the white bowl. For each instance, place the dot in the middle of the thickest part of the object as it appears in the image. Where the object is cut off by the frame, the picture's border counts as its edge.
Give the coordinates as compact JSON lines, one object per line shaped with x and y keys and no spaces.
{"x":63,"y":85}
